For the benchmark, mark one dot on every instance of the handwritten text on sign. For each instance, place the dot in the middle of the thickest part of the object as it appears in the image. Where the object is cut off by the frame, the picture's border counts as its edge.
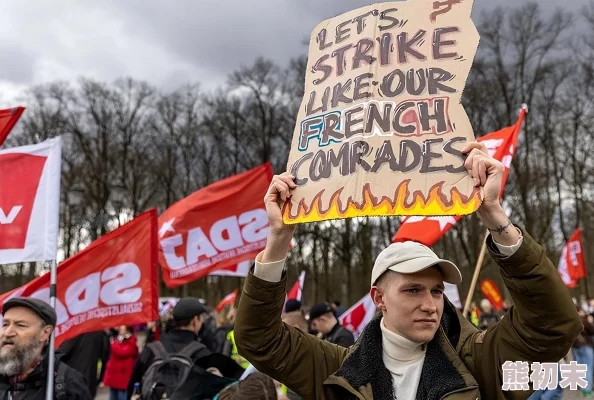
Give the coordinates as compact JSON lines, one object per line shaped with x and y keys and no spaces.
{"x":381,"y":125}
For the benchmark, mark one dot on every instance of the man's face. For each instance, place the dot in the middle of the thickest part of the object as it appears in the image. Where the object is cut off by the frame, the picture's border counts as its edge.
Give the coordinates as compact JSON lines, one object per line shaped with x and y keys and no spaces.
{"x":321,"y":324}
{"x":22,"y":338}
{"x":412,"y":304}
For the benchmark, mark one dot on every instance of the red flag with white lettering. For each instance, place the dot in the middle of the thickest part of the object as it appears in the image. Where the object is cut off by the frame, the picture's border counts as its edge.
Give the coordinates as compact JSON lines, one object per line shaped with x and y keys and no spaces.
{"x":428,"y":230}
{"x":112,"y":282}
{"x":296,"y":291}
{"x":358,"y":316}
{"x":572,"y":265}
{"x":8,"y":119}
{"x":30,"y":202}
{"x":228,"y":300}
{"x":220,"y":225}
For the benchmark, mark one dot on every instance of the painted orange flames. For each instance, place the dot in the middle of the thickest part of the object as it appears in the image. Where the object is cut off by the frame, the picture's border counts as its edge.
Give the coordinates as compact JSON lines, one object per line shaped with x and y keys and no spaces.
{"x":436,"y":203}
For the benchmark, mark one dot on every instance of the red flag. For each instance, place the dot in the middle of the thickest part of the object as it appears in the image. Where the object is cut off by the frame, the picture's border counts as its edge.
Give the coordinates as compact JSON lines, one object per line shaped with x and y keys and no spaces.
{"x":217,"y":226}
{"x":228,"y":300}
{"x":492,"y":293}
{"x":296,"y":291}
{"x":428,"y":230}
{"x":112,"y":282}
{"x":572,"y":265}
{"x":358,"y":316}
{"x":8,"y":119}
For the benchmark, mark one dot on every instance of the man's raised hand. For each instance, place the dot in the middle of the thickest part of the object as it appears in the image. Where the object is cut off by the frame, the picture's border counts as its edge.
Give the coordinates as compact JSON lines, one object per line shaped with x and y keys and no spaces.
{"x":486,"y":171}
{"x":278,"y":193}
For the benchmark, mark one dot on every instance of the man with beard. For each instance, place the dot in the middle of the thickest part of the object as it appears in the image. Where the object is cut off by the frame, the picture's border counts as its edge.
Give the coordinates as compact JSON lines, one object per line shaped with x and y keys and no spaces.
{"x":24,"y":337}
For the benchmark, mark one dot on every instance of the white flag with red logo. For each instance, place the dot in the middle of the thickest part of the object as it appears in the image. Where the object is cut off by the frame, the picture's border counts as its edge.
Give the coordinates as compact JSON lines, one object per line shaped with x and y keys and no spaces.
{"x":358,"y":316}
{"x":217,"y":226}
{"x":240,"y":270}
{"x":112,"y":282}
{"x":572,"y":265}
{"x":501,"y":145}
{"x":296,"y":291}
{"x":30,"y":202}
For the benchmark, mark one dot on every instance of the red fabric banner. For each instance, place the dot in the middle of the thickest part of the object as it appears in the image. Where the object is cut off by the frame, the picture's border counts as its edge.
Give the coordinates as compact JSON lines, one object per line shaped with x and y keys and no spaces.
{"x":8,"y":119}
{"x":228,"y":300}
{"x":428,"y":230}
{"x":296,"y":291}
{"x":492,"y":293}
{"x":572,"y":265}
{"x":358,"y":316}
{"x":112,"y":282}
{"x":220,"y":225}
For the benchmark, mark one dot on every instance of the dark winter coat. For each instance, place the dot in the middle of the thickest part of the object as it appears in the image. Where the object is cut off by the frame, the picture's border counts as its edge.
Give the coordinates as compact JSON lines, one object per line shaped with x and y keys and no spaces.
{"x":461,"y":362}
{"x":69,"y":384}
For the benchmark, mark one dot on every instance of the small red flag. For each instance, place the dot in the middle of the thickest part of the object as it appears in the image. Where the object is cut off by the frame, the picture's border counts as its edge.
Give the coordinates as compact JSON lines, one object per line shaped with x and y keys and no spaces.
{"x":572,"y":265}
{"x":8,"y":119}
{"x":228,"y":300}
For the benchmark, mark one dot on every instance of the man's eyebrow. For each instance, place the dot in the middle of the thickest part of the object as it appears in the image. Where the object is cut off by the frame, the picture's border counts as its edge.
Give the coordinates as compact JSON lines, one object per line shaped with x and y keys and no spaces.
{"x":17,"y":321}
{"x":412,"y":285}
{"x":440,"y":286}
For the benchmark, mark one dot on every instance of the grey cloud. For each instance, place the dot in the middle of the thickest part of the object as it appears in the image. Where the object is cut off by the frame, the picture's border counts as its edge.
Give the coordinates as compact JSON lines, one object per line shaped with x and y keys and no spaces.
{"x":218,"y":36}
{"x":16,"y":65}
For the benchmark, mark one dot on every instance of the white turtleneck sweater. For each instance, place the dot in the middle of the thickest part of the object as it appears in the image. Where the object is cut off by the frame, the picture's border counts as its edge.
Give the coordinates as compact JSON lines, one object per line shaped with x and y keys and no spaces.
{"x":402,"y":357}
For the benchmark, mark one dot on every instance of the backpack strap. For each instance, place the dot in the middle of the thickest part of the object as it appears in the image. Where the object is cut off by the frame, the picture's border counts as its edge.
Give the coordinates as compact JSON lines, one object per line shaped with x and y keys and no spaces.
{"x":195,"y":350}
{"x":158,"y":350}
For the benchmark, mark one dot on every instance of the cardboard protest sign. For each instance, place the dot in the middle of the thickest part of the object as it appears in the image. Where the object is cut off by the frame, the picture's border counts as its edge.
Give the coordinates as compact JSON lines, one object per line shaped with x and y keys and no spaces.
{"x":381,"y":127}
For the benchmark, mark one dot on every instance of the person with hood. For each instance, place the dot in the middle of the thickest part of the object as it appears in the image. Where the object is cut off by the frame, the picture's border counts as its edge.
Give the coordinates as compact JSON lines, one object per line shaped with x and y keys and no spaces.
{"x":27,"y":325}
{"x":420,"y":346}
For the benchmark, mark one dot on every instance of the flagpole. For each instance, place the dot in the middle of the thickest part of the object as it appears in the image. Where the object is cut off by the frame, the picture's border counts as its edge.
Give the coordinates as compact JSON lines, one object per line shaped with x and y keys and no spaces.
{"x":52,"y":344}
{"x":477,"y":271}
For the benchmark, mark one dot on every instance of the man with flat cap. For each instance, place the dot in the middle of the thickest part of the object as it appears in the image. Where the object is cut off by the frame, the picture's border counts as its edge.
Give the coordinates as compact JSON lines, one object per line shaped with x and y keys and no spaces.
{"x":323,"y":320}
{"x":27,"y":325}
{"x":419,"y":346}
{"x":188,"y":315}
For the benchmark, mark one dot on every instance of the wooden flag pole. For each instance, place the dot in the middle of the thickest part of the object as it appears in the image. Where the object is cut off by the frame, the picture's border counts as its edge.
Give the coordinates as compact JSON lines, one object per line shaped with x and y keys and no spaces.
{"x":477,"y":271}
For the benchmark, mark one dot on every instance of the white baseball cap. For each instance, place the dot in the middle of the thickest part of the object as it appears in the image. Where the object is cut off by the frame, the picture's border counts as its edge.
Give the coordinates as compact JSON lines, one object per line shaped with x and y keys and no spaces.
{"x":410,"y":257}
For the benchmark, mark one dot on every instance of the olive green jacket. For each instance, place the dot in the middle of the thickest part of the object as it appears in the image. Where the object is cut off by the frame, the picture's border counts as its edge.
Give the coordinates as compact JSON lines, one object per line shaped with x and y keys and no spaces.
{"x":461,"y":362}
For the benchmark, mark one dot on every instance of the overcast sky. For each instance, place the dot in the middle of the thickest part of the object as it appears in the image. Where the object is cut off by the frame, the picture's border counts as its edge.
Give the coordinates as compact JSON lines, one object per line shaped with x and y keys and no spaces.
{"x":164,"y":42}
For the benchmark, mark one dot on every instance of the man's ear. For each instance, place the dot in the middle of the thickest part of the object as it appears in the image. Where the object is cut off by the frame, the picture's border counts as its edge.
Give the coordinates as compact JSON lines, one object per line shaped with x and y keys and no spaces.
{"x":46,"y":332}
{"x":377,"y":296}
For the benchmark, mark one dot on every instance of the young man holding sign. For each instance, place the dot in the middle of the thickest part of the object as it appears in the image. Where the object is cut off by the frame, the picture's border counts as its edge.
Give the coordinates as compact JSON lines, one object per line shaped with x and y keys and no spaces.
{"x":420,"y":347}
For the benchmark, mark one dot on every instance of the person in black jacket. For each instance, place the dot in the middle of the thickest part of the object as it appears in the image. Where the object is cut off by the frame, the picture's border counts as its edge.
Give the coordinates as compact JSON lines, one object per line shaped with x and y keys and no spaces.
{"x":323,"y":320}
{"x":188,"y":315}
{"x":83,"y":353}
{"x":26,"y":329}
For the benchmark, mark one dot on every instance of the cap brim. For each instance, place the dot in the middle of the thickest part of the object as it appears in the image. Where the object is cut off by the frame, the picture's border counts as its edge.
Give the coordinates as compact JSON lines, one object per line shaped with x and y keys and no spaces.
{"x":449,"y":270}
{"x":12,"y":303}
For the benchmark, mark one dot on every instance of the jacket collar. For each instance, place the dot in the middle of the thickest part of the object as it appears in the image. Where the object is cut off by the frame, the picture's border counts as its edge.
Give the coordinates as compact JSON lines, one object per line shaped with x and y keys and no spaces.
{"x":443,"y":371}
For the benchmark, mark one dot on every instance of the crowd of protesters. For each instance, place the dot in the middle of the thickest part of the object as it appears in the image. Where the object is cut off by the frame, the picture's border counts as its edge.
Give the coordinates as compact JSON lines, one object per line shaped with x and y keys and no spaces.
{"x":419,"y":346}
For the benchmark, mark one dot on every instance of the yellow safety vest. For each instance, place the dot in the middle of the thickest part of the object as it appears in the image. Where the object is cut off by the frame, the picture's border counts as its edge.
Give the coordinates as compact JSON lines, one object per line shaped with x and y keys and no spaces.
{"x":234,"y":353}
